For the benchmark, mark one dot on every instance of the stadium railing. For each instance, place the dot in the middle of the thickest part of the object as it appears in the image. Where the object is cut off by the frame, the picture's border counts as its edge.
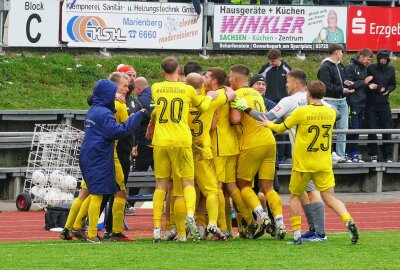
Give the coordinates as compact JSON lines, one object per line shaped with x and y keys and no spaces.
{"x":15,"y":175}
{"x":14,"y":150}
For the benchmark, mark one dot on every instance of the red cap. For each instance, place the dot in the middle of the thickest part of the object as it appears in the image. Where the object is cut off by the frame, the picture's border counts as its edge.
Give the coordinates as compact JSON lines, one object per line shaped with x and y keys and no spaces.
{"x":125,"y":68}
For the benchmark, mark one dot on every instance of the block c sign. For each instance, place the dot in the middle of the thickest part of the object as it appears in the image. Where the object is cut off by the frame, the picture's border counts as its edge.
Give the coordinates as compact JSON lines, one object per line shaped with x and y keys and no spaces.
{"x":34,"y":23}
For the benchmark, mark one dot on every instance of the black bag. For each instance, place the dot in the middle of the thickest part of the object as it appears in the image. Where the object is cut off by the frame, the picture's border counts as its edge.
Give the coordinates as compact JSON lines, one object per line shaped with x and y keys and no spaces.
{"x":56,"y":216}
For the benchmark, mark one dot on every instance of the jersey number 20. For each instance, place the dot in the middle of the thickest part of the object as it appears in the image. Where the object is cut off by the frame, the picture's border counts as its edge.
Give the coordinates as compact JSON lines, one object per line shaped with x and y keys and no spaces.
{"x":175,"y":110}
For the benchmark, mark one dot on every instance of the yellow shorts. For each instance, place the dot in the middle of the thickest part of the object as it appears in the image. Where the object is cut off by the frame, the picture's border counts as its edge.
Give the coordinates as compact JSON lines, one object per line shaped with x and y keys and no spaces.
{"x":119,"y":175}
{"x":177,"y":188}
{"x":206,"y":177}
{"x":173,"y":161}
{"x":299,"y":180}
{"x":259,"y":159}
{"x":225,"y":168}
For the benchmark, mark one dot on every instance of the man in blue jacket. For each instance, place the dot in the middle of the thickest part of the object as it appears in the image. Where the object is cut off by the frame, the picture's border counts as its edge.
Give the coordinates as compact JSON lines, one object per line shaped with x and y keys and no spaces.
{"x":96,"y":158}
{"x":144,"y":151}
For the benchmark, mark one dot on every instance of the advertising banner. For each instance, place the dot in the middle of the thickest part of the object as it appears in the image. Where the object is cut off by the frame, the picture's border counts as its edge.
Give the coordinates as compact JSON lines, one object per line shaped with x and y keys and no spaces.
{"x":33,"y":23}
{"x":244,"y":27}
{"x":374,"y":28}
{"x":145,"y":25}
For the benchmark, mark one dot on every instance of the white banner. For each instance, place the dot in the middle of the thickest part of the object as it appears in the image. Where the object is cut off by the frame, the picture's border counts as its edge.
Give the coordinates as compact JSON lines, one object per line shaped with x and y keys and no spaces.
{"x":145,"y":25}
{"x":34,"y":23}
{"x":281,"y":27}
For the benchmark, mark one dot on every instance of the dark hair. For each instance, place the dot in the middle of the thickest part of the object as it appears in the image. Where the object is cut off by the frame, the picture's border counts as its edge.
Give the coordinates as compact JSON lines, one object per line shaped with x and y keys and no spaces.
{"x":219,"y":74}
{"x":299,"y":75}
{"x":192,"y":67}
{"x":274,"y":54}
{"x":169,"y":65}
{"x":316,"y":88}
{"x":334,"y":47}
{"x":365,"y":52}
{"x":241,"y":69}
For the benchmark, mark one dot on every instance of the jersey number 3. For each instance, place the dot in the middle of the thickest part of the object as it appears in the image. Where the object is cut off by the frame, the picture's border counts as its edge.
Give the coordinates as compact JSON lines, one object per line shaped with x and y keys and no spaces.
{"x":316,"y":130}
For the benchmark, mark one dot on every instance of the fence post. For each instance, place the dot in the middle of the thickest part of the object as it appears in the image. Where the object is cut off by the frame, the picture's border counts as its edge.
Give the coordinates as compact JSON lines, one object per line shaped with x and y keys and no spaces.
{"x":208,"y":10}
{"x":4,"y":6}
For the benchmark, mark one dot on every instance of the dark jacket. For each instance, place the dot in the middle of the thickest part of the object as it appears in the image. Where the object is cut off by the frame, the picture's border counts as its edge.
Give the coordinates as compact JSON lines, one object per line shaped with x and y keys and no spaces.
{"x":276,"y":80}
{"x":269,"y":104}
{"x":331,"y":74}
{"x":145,"y":99}
{"x":96,"y":159}
{"x":383,"y":76}
{"x":356,"y":72}
{"x":126,"y":144}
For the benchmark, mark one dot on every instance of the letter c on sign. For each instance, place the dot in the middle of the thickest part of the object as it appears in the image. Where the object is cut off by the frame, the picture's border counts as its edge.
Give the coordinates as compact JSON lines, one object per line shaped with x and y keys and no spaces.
{"x":28,"y":27}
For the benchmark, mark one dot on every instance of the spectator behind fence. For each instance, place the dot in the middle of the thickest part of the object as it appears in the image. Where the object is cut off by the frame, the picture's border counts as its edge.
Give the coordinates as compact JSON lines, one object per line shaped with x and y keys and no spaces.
{"x":332,"y":33}
{"x":356,"y":72}
{"x":331,"y":74}
{"x":275,"y":72}
{"x":378,"y":108}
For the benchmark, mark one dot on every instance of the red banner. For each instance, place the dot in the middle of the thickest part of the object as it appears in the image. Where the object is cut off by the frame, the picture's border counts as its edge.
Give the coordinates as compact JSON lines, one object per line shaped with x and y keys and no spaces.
{"x":374,"y":28}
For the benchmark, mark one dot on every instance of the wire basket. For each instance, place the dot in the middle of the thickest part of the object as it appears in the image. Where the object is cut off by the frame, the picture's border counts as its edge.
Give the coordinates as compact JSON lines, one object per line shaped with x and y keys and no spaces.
{"x":53,"y":173}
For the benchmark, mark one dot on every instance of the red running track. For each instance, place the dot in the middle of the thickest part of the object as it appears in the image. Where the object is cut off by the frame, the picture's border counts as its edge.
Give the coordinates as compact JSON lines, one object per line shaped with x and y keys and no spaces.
{"x":29,"y":226}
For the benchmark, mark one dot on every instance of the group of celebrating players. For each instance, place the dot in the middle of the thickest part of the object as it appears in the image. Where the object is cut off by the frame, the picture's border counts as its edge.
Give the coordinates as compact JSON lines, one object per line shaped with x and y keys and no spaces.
{"x":210,"y":141}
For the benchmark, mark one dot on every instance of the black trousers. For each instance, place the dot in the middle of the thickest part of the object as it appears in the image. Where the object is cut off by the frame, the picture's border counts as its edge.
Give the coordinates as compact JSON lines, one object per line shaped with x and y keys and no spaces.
{"x":379,"y":116}
{"x":143,"y":162}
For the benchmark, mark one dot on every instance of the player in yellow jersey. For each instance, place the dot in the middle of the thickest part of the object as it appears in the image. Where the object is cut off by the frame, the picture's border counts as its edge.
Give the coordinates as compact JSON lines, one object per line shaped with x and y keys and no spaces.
{"x":172,"y":140}
{"x":205,"y":175}
{"x":312,"y":157}
{"x":258,"y":154}
{"x":118,"y":206}
{"x":225,"y":148}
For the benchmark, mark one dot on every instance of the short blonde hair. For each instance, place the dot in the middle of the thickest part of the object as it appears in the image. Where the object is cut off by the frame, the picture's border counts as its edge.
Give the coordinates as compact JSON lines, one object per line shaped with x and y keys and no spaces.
{"x":195,"y":80}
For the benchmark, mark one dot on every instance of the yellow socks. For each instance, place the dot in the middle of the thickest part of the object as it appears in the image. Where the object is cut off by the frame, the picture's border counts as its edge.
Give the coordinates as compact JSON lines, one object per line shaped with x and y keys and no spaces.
{"x":346,"y":217}
{"x":172,"y":211}
{"x":94,"y":212}
{"x":241,"y":206}
{"x":158,"y":206}
{"x":180,"y":215}
{"x":221,"y":211}
{"x":190,"y":199}
{"x":251,"y":200}
{"x":212,"y":208}
{"x":118,"y":214}
{"x":295,"y":222}
{"x":274,"y":202}
{"x":73,"y":212}
{"x":83,"y":212}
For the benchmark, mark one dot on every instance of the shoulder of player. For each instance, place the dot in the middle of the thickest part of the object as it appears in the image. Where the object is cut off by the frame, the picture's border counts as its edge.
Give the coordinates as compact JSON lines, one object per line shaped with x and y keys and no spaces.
{"x":119,"y":105}
{"x":247,"y":90}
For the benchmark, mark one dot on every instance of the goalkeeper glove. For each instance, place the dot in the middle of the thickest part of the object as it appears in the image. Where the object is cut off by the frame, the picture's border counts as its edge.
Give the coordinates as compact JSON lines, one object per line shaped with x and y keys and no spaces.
{"x":239,"y":104}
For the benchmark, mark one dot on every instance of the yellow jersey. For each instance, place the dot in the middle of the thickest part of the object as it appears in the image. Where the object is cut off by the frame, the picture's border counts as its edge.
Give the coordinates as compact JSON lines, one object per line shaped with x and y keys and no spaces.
{"x":200,"y":125}
{"x":172,"y":101}
{"x":224,"y":141}
{"x":313,"y":142}
{"x":121,"y":116}
{"x":253,"y":133}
